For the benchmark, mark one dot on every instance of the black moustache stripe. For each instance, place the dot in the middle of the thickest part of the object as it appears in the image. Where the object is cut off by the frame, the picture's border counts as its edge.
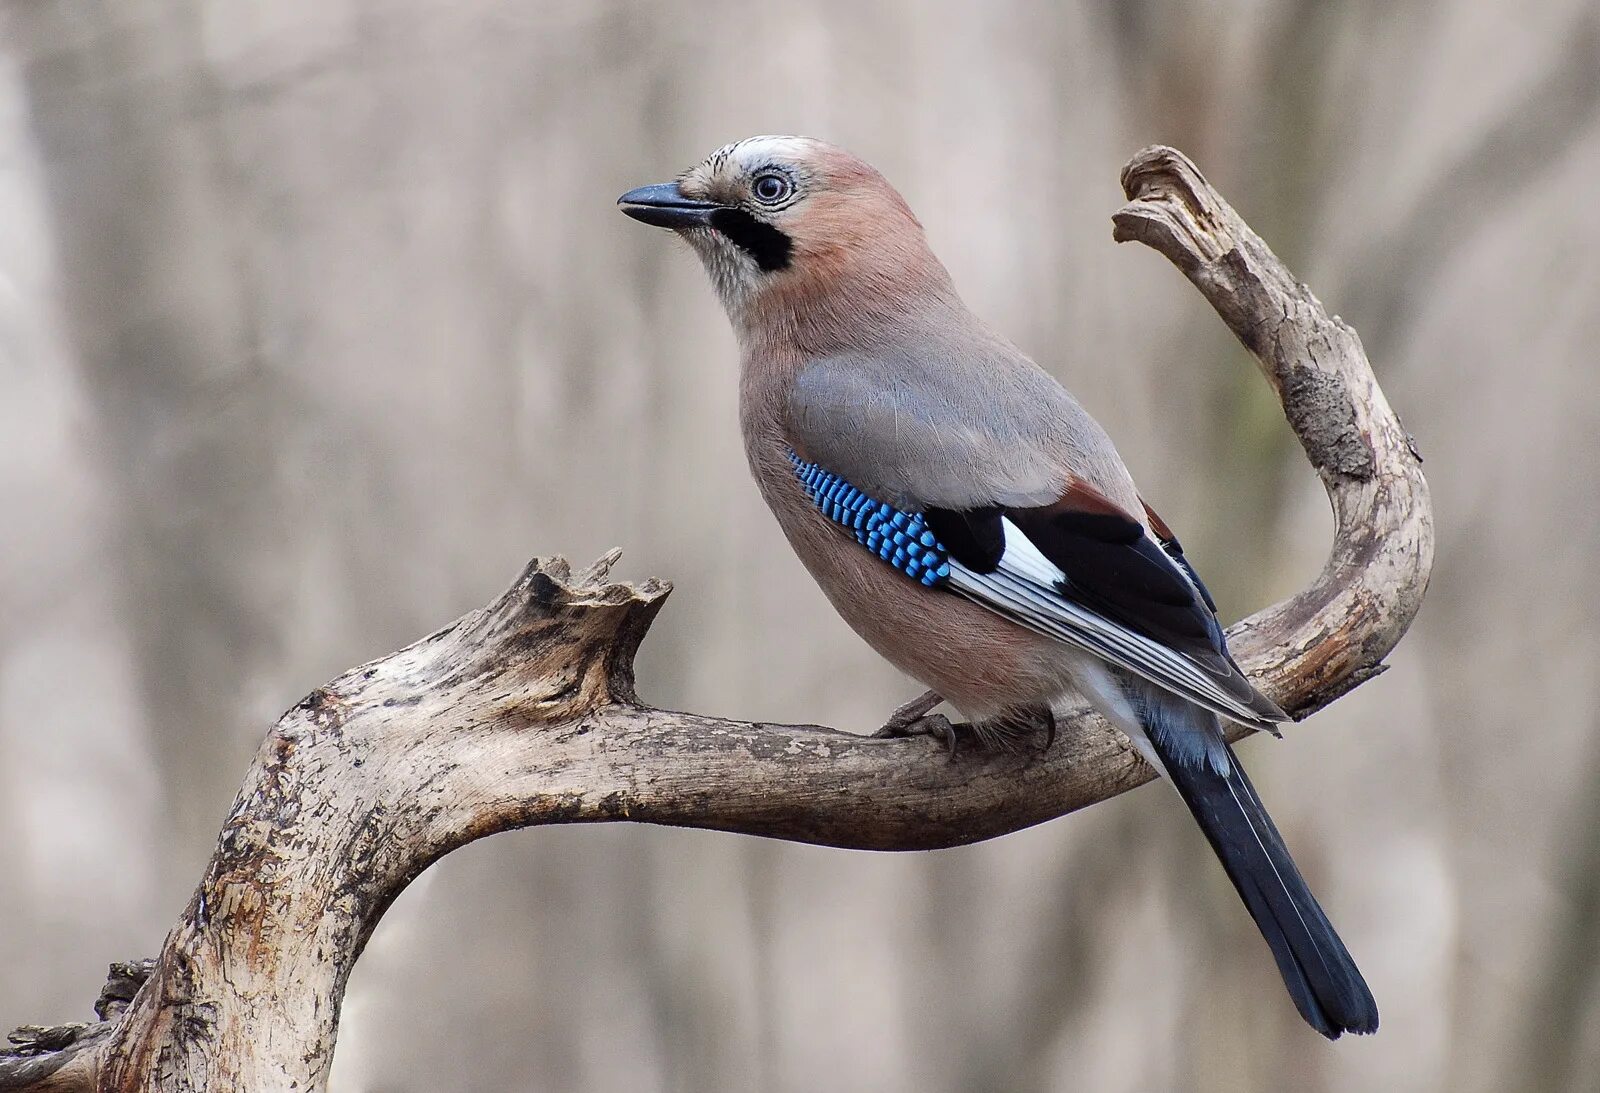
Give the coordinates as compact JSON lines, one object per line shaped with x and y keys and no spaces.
{"x":767,"y":245}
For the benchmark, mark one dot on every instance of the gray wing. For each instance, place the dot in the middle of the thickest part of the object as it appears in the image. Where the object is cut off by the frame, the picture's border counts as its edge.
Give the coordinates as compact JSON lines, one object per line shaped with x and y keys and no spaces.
{"x":916,"y":430}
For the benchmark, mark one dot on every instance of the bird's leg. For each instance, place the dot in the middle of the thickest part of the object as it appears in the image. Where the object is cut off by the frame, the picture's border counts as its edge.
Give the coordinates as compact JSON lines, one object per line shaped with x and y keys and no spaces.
{"x":914,"y":719}
{"x":909,"y":714}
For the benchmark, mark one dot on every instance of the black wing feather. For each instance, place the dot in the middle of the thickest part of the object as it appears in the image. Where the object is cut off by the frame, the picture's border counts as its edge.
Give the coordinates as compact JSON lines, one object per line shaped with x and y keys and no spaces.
{"x":974,"y":537}
{"x":1112,"y":567}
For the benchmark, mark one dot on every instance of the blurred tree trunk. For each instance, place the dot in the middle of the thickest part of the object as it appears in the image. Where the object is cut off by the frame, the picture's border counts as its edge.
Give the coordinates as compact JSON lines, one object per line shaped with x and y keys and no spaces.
{"x":138,"y":165}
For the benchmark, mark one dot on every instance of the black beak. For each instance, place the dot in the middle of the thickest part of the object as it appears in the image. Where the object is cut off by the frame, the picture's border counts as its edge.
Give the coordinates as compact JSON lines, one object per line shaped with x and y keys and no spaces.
{"x":664,"y":206}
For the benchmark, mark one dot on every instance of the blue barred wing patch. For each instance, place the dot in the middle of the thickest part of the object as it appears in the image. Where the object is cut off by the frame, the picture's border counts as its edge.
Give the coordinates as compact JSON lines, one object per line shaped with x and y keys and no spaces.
{"x":900,"y":538}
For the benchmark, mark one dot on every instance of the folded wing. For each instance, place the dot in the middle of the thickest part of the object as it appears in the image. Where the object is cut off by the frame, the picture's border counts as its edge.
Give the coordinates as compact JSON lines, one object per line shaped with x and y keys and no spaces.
{"x":1086,"y":573}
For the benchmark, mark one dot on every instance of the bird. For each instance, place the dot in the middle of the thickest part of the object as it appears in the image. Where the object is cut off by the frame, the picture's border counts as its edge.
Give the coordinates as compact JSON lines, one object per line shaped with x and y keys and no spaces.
{"x":969,"y":519}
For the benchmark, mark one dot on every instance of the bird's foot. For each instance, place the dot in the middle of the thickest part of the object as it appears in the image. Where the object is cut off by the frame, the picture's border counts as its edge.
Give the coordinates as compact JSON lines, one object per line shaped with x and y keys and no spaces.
{"x":909,"y":714}
{"x":915,"y":719}
{"x":936,"y":725}
{"x":1003,"y":733}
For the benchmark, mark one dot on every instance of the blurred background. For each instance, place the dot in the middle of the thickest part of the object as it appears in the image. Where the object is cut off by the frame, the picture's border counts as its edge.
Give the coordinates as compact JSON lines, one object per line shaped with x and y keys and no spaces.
{"x":317,"y":320}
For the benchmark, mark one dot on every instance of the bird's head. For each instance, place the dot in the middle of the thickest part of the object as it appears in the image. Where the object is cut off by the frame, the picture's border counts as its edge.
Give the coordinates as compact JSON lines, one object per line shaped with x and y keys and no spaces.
{"x":800,"y":237}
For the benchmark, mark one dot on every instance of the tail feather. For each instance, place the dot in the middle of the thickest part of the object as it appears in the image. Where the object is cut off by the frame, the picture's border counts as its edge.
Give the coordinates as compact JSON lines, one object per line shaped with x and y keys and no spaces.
{"x":1323,"y":980}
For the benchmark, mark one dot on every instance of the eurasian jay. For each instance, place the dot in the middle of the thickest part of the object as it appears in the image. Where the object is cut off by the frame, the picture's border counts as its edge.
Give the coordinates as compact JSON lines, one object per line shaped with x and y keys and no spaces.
{"x":968,"y":518}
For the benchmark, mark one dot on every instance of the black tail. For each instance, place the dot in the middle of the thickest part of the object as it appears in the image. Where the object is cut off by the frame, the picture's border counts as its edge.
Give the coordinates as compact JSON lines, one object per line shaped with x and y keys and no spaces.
{"x":1324,"y":982}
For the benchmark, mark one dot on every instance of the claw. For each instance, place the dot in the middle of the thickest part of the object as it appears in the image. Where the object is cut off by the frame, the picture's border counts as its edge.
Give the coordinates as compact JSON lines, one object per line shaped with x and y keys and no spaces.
{"x":1049,"y":728}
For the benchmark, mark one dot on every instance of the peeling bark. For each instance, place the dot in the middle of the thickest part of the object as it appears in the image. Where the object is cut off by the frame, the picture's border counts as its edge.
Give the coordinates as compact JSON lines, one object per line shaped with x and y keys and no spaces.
{"x":524,"y":713}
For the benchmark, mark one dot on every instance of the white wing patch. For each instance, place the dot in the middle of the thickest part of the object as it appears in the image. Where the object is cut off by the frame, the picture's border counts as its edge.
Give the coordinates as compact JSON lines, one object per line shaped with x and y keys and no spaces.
{"x":1024,"y":589}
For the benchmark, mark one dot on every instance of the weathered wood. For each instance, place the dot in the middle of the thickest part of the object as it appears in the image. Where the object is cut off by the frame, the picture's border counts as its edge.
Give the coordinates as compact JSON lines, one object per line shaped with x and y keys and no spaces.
{"x":1317,"y":645}
{"x":524,"y":713}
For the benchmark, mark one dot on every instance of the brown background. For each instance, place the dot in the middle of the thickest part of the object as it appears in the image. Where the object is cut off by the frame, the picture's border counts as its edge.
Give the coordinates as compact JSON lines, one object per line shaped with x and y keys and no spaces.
{"x":316,"y":319}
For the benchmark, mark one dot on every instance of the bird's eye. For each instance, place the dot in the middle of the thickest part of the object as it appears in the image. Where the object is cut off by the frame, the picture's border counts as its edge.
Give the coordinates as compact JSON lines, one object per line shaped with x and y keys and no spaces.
{"x":771,"y":188}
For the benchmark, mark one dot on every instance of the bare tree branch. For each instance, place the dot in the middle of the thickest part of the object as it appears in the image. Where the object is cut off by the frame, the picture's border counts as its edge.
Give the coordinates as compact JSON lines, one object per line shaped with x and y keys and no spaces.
{"x":524,"y":713}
